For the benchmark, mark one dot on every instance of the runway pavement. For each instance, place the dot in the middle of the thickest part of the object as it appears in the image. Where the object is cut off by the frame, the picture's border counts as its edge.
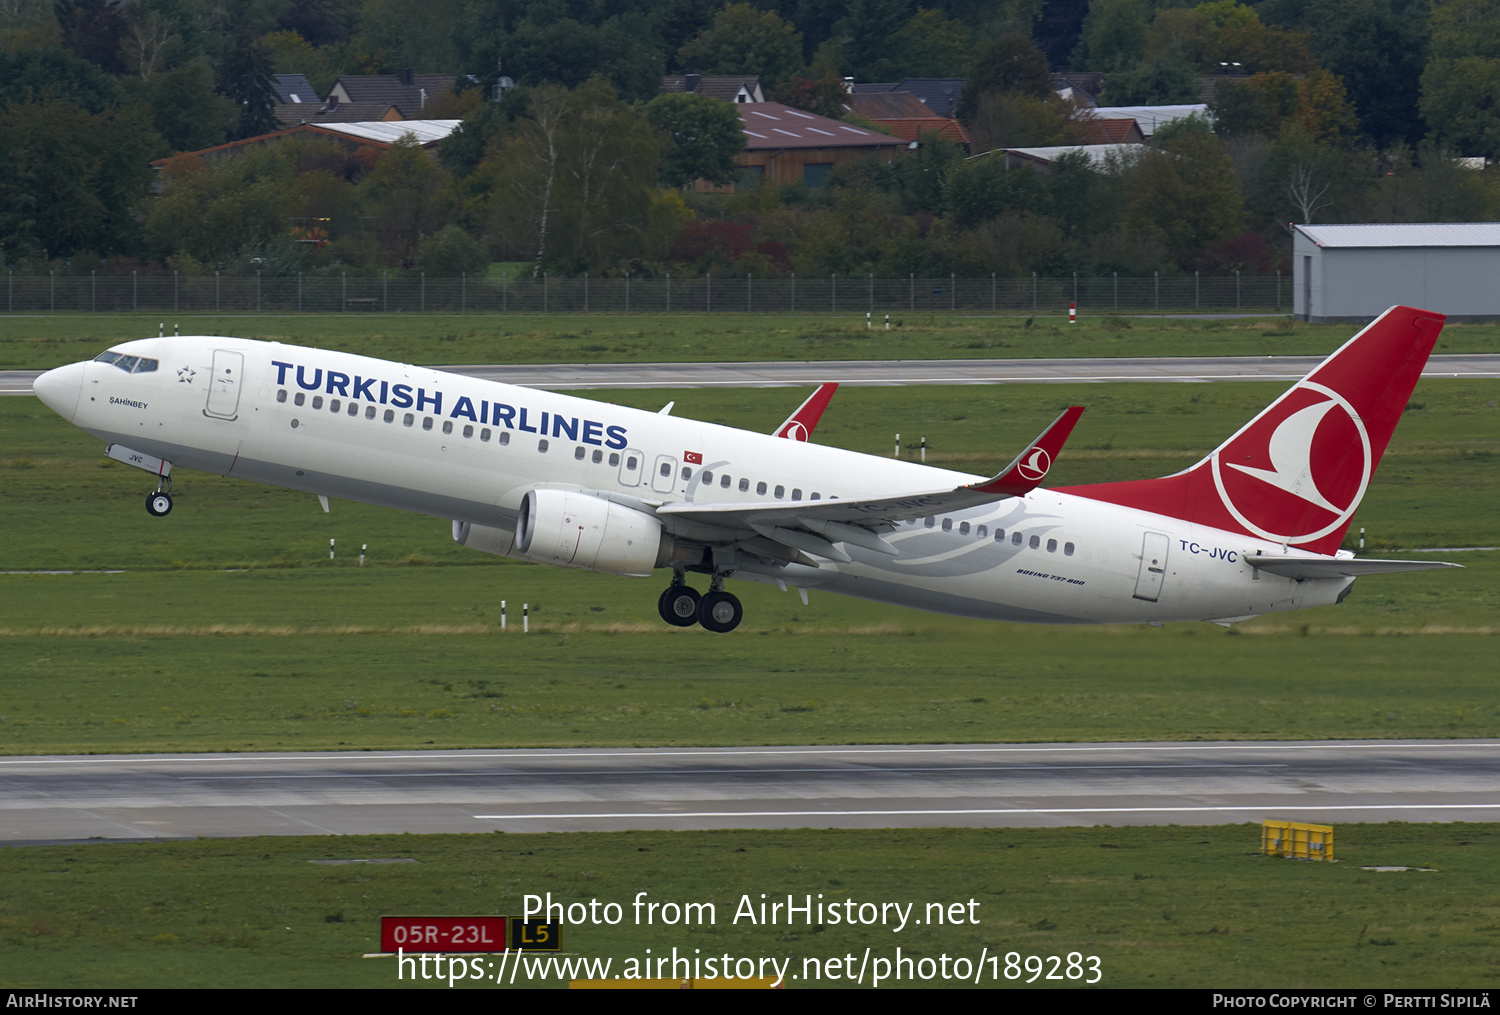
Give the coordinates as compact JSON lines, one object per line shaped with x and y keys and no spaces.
{"x":60,"y":799}
{"x":565,"y":377}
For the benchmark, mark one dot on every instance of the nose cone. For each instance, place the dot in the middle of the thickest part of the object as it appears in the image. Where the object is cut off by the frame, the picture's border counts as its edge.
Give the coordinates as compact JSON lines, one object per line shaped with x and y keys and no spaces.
{"x":60,"y":389}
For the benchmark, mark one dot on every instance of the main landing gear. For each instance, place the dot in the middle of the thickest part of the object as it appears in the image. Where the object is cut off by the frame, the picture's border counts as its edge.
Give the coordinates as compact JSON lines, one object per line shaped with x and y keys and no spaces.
{"x":718,"y":611}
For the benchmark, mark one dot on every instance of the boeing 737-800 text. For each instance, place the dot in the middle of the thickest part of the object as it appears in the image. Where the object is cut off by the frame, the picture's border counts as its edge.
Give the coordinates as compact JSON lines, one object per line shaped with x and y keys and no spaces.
{"x":1253,"y":528}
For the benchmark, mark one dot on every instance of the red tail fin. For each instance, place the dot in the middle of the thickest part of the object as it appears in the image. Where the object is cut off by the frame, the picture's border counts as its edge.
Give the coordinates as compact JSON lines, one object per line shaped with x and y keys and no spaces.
{"x":1295,"y":473}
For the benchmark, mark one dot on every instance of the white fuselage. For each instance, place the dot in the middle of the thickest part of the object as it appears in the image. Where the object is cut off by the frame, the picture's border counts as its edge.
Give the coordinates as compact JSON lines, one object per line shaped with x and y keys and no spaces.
{"x":467,"y":449}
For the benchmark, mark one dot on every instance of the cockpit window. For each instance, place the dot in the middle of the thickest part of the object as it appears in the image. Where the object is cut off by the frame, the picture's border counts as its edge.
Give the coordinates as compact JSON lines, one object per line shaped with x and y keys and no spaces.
{"x":129,"y":364}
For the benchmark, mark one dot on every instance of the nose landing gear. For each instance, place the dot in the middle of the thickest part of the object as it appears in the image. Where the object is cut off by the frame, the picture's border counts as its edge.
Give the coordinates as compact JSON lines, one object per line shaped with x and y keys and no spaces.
{"x":159,"y":504}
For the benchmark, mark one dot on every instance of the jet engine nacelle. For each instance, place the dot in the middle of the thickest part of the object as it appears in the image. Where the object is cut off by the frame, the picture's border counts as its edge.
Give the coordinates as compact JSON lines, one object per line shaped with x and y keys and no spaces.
{"x":485,"y":538}
{"x":574,"y":529}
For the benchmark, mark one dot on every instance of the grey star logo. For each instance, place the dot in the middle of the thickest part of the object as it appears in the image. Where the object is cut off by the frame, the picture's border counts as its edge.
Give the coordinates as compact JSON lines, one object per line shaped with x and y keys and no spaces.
{"x":186,"y":375}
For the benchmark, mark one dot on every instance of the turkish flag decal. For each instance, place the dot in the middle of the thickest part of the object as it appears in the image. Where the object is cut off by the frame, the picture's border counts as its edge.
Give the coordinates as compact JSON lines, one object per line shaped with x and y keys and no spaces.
{"x":693,"y":457}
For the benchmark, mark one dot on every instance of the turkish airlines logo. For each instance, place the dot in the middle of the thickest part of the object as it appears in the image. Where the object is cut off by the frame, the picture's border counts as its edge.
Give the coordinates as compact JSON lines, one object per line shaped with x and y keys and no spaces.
{"x":1034,"y":464}
{"x":795,"y":431}
{"x":1298,"y":471}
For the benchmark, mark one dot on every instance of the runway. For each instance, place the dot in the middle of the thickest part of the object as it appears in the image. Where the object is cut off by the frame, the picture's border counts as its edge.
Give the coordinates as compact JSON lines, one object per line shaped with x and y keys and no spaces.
{"x":583,"y":376}
{"x":64,"y":799}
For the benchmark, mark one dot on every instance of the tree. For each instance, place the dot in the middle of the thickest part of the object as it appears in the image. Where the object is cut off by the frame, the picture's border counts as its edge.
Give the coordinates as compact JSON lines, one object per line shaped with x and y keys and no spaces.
{"x":706,"y":135}
{"x":406,"y":192}
{"x":1114,"y":35}
{"x":1166,"y":81}
{"x":72,"y":179}
{"x":1186,"y":193}
{"x":1009,"y":64}
{"x":582,"y":175}
{"x":1461,"y":104}
{"x":744,"y":40}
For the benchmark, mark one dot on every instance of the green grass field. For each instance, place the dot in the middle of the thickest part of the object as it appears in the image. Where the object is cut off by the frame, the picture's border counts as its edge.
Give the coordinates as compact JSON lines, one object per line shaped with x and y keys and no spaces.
{"x":47,"y":341}
{"x":1158,"y":907}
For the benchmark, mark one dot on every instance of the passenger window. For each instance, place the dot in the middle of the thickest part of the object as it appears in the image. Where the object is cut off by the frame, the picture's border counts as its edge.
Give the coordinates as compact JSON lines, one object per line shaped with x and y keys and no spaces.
{"x":317,"y":401}
{"x":353,"y":409}
{"x":281,"y":395}
{"x":447,"y":426}
{"x":369,"y":412}
{"x":708,"y":478}
{"x":390,"y":415}
{"x":629,"y":463}
{"x":541,"y":446}
{"x":503,"y":438}
{"x":687,"y":473}
{"x":816,"y":496}
{"x":614,"y":459}
{"x":947,"y":524}
{"x":333,"y":405}
{"x":1015,"y":538}
{"x":744,"y":486}
{"x":408,"y":419}
{"x":760,"y":489}
{"x":1036,"y":541}
{"x":426,"y":422}
{"x":484,"y":434}
{"x":666,"y":469}
{"x":724,"y":482}
{"x":468,"y":430}
{"x":963,"y":528}
{"x":598,"y":456}
{"x":1051,"y":546}
{"x":299,"y":398}
{"x":579,"y":452}
{"x":1067,"y":549}
{"x":982,"y":532}
{"x":796,"y":493}
{"x":929,"y":521}
{"x":780,"y":492}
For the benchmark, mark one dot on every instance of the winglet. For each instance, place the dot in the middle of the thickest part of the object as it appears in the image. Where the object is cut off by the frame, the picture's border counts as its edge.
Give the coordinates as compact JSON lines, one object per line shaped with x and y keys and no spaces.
{"x":800,"y":424}
{"x":1031,"y":466}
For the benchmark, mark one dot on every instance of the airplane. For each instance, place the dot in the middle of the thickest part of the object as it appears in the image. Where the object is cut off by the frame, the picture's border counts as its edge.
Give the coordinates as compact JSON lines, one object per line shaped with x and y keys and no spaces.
{"x":1253,"y":528}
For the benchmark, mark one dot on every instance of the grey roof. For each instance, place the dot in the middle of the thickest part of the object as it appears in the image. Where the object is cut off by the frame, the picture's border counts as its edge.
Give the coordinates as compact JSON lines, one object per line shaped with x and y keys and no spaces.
{"x":888,"y":106}
{"x":1149,"y":118}
{"x":938,"y":94}
{"x":389,"y":89}
{"x":726,"y":87}
{"x":294,"y":88}
{"x":1405,"y":234}
{"x":390,"y":131}
{"x":289,"y":114}
{"x":1098,"y":154}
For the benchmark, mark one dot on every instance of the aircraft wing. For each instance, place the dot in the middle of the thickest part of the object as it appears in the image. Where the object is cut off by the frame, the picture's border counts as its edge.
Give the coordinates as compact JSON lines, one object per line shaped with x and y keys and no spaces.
{"x":800,"y":424}
{"x":1336,"y":567}
{"x":814,"y":526}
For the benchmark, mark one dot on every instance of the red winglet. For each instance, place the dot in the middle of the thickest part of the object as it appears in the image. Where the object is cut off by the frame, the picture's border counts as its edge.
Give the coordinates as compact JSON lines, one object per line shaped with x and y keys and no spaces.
{"x":800,"y":424}
{"x":1031,"y":466}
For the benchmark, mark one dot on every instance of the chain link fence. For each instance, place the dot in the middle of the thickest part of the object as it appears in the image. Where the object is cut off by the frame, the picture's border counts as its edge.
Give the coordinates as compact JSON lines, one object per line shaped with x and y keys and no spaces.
{"x":413,"y":292}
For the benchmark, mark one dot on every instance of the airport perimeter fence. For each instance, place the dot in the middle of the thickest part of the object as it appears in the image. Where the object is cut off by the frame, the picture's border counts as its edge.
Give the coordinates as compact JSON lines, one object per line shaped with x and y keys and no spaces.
{"x":414,"y":292}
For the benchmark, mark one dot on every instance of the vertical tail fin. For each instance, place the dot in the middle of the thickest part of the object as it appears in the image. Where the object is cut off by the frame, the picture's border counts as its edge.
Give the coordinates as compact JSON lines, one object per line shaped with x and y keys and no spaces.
{"x":1296,"y":473}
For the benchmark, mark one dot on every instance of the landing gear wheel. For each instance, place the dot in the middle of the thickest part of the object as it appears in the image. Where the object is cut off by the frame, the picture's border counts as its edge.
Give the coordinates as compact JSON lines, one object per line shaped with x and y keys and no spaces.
{"x":720,"y":612}
{"x":159,"y":504}
{"x":678,"y":606}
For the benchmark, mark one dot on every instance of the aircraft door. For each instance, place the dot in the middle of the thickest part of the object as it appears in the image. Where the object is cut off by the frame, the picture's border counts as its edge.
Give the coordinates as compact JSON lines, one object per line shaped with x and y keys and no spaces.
{"x":664,"y":475}
{"x":632,"y":464}
{"x":224,"y":385}
{"x":1153,"y":567}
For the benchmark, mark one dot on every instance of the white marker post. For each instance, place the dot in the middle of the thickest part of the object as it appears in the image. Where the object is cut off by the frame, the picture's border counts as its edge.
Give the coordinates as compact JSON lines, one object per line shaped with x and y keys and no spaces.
{"x":924,"y":450}
{"x":502,"y":616}
{"x":525,"y":618}
{"x":362,"y":548}
{"x":898,"y":447}
{"x":330,"y":549}
{"x":1072,"y":313}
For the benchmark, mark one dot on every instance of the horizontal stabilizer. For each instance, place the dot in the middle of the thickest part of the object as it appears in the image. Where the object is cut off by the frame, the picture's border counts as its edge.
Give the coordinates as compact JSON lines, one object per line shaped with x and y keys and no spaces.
{"x":1336,"y":567}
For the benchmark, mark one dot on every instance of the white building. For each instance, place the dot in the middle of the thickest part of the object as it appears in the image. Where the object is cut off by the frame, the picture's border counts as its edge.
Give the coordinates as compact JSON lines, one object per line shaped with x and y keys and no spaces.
{"x":1354,"y":272}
